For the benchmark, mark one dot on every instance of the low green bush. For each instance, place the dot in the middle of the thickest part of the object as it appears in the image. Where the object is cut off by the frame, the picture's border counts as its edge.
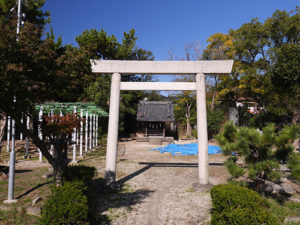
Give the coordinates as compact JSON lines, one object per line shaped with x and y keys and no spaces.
{"x":81,"y":173}
{"x":233,"y":204}
{"x":67,"y":205}
{"x":294,"y":165}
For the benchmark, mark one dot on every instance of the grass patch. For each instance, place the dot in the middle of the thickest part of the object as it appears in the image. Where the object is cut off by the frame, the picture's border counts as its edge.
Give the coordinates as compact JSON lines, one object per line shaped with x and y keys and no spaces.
{"x":292,"y":223}
{"x":190,"y":190}
{"x":286,"y":209}
{"x":126,"y":188}
{"x":17,"y":217}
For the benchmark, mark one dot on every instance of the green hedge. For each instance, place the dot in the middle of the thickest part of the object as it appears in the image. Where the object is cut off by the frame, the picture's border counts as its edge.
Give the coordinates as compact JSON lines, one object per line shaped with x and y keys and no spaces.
{"x":67,"y":205}
{"x":233,"y":204}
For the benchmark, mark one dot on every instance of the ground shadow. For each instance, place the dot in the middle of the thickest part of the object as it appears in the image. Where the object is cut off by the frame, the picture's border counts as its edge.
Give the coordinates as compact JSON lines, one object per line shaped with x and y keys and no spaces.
{"x":101,"y":199}
{"x":155,"y":164}
{"x":5,"y":169}
{"x":22,"y":171}
{"x":134,"y":174}
{"x":32,"y":189}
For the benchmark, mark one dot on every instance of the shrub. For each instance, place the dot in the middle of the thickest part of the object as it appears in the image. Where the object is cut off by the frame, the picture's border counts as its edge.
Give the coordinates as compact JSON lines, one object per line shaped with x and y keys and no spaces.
{"x":235,"y":170}
{"x":80,"y":173}
{"x":66,"y":205}
{"x":294,"y":166}
{"x":233,"y":204}
{"x":262,"y":151}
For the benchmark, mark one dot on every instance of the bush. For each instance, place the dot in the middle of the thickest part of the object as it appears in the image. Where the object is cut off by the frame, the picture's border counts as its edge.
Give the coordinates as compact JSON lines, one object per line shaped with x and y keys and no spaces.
{"x":294,"y":166}
{"x":233,"y":204}
{"x":80,"y":173}
{"x":235,"y":170}
{"x":67,"y":205}
{"x":261,"y":151}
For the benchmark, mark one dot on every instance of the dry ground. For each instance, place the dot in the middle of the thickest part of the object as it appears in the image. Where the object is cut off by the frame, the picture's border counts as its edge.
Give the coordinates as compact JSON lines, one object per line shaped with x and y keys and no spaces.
{"x":157,"y":188}
{"x":164,"y":185}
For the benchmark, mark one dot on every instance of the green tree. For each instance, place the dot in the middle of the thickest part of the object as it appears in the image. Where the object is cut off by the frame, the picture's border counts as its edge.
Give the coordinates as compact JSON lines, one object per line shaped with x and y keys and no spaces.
{"x":285,"y":81}
{"x":8,"y":12}
{"x":32,"y":10}
{"x":262,"y":152}
{"x":257,"y":49}
{"x":185,"y":111}
{"x":220,"y":47}
{"x":100,"y":45}
{"x":283,"y":28}
{"x":33,"y":71}
{"x":283,"y":51}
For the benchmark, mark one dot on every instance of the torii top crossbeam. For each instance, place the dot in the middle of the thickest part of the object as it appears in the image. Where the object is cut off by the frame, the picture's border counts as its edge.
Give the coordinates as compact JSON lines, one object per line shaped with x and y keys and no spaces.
{"x":162,"y":67}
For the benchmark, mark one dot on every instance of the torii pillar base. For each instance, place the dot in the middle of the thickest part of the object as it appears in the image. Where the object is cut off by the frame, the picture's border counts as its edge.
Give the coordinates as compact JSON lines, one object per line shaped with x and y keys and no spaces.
{"x":10,"y":201}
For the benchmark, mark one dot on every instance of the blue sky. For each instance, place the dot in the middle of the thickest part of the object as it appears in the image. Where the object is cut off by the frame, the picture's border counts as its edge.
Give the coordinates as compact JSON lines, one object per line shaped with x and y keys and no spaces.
{"x":162,"y":25}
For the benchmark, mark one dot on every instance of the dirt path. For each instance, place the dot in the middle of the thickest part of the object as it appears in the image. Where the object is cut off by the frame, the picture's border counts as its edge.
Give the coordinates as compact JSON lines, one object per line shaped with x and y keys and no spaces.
{"x":169,"y":182}
{"x":159,"y":188}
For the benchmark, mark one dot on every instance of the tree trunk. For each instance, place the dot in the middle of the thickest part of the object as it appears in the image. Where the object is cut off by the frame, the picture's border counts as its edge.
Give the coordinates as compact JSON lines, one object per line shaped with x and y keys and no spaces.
{"x":213,"y":101}
{"x":188,"y":122}
{"x":3,"y":120}
{"x":61,"y":160}
{"x":59,"y":170}
{"x":296,"y":116}
{"x":188,"y":128}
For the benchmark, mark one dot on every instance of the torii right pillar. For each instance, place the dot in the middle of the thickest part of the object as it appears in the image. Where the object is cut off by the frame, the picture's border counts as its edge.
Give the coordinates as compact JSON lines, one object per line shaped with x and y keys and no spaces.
{"x":202,"y":129}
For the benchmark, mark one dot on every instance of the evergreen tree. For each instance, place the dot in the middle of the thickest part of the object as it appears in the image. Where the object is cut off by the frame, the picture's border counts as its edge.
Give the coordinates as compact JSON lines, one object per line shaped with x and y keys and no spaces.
{"x":262,"y":151}
{"x":100,"y":45}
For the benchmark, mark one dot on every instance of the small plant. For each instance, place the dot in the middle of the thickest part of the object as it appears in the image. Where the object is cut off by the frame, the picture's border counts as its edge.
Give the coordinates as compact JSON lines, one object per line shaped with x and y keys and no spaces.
{"x":67,"y":205}
{"x":233,"y":204}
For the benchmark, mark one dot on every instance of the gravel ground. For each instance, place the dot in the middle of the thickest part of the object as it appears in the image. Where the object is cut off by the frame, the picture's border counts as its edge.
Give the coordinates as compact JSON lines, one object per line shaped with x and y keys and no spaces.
{"x":160,"y":188}
{"x":165,"y":186}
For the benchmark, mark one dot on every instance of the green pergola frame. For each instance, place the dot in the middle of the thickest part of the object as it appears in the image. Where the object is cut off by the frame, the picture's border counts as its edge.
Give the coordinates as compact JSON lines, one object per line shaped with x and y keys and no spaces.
{"x":68,"y":107}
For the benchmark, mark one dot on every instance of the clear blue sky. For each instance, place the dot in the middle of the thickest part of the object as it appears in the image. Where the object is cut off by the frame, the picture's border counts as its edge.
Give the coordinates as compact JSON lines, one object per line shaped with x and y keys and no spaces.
{"x":161,"y":25}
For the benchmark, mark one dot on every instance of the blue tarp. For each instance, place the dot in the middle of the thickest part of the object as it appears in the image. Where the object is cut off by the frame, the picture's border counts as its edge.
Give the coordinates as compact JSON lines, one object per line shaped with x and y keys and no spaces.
{"x":187,"y":149}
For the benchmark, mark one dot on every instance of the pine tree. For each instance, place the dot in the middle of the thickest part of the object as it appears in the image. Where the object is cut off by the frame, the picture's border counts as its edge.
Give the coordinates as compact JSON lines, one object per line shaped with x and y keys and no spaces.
{"x":263,"y":151}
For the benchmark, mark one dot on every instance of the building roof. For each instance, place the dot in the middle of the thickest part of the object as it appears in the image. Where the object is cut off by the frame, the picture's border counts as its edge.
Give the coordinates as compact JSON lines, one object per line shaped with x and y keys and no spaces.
{"x":154,"y":111}
{"x":68,"y":107}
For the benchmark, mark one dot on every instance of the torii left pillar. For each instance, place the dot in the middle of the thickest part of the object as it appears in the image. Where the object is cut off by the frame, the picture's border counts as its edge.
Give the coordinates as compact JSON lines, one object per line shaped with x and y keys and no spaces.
{"x":113,"y":125}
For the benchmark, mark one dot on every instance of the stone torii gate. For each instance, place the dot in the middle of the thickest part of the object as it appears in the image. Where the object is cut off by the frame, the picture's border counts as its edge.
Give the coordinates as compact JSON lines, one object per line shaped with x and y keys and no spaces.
{"x":197,"y":68}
